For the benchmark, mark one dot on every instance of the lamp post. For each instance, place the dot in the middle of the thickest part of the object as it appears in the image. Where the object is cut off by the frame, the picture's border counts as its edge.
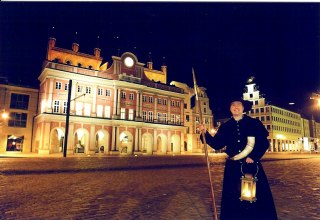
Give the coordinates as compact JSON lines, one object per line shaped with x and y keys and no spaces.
{"x":65,"y":144}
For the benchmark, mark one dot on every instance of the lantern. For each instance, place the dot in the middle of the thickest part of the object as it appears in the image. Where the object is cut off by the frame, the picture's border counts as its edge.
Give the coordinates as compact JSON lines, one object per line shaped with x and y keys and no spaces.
{"x":248,"y":186}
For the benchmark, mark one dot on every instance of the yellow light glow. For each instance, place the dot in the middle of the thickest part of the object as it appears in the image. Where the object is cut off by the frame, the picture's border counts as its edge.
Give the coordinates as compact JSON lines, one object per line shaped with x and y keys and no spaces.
{"x":101,"y":135}
{"x":80,"y":134}
{"x":280,"y":136}
{"x":4,"y":115}
{"x":60,"y":133}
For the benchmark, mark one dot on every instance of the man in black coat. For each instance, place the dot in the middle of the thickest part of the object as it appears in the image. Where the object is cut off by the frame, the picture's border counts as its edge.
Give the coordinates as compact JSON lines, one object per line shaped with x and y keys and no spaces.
{"x":245,"y":139}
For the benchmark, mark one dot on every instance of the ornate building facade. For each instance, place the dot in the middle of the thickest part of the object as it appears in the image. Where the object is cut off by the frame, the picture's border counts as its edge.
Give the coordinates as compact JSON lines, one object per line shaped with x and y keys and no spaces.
{"x":124,"y":108}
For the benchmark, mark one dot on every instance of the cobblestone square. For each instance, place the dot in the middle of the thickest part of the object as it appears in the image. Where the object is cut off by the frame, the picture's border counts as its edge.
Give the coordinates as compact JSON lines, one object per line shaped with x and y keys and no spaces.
{"x":157,"y":187}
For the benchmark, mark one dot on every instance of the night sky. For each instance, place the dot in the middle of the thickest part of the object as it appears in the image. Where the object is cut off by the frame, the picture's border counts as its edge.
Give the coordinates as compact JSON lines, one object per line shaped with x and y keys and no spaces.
{"x":225,"y":43}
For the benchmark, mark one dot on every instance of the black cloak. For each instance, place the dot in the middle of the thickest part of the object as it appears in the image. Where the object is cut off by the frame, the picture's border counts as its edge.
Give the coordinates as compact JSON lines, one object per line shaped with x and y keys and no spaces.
{"x":233,"y":135}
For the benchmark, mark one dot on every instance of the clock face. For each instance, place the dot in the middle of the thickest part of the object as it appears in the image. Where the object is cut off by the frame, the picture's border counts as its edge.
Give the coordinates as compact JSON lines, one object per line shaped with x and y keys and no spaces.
{"x":128,"y":61}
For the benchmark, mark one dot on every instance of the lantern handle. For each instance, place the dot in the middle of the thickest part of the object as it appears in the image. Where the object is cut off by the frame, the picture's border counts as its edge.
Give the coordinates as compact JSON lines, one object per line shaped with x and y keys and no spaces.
{"x":256,"y":172}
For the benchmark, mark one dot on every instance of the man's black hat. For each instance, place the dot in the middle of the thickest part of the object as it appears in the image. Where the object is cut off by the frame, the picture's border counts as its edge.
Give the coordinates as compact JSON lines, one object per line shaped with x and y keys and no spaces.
{"x":247,"y":105}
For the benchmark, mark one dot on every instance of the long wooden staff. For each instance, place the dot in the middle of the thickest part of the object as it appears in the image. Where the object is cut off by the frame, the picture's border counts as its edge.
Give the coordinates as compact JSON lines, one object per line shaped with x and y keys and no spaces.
{"x":205,"y":145}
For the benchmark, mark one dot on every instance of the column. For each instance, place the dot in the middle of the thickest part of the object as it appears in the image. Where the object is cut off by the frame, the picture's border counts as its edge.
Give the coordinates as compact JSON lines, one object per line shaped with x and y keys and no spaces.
{"x":181,"y":141}
{"x":117,"y":138}
{"x":118,"y":101}
{"x":155,"y":108}
{"x":91,"y":147}
{"x":50,"y":94}
{"x":70,"y":149}
{"x":94,"y":102}
{"x":140,"y":139}
{"x":169,"y":141}
{"x":46,"y":138}
{"x":115,"y":93}
{"x":154,"y":139}
{"x":113,"y":136}
{"x":73,"y":95}
{"x":169,"y":111}
{"x":136,"y":137}
{"x":140,"y":106}
{"x":137,"y":104}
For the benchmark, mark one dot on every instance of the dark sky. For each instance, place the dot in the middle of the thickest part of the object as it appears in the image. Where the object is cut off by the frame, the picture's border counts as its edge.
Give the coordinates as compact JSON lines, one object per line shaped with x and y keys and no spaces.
{"x":226,"y":43}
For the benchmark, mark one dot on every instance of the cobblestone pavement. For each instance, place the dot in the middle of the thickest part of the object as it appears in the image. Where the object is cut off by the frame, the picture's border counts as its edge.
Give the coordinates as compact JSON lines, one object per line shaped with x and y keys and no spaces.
{"x":156,"y":187}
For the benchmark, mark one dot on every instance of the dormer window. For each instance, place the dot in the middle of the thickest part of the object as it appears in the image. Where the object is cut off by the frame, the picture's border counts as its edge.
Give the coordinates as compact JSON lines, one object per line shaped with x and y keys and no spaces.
{"x":68,"y":62}
{"x":90,"y":67}
{"x":79,"y":64}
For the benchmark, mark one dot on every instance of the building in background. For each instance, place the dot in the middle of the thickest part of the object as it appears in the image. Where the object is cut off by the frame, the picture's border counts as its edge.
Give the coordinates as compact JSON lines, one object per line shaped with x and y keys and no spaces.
{"x":192,"y":116}
{"x":288,"y":131}
{"x":18,"y":107}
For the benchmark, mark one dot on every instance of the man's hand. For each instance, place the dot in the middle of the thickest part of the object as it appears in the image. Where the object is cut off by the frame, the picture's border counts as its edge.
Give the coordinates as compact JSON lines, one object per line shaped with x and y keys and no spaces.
{"x":249,"y":160}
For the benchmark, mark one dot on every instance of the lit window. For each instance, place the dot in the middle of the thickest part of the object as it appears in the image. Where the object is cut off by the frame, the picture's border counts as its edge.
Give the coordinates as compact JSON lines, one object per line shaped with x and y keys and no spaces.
{"x":164,"y":116}
{"x":87,"y":109}
{"x":79,"y":88}
{"x":164,"y":102}
{"x":178,"y":119}
{"x":172,"y":118}
{"x":144,"y":115}
{"x":65,"y":107}
{"x":79,"y":107}
{"x":107,"y":111}
{"x":131,"y":114}
{"x":159,"y":116}
{"x":88,"y":90}
{"x":58,"y":85}
{"x":56,"y":106}
{"x":150,"y":116}
{"x":123,"y":95}
{"x":100,"y":91}
{"x":99,"y":111}
{"x":123,"y":113}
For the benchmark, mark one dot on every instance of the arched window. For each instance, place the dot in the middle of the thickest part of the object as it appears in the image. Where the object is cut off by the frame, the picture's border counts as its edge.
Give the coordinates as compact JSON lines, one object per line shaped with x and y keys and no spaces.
{"x":90,"y":67}
{"x":68,"y":62}
{"x":79,"y":65}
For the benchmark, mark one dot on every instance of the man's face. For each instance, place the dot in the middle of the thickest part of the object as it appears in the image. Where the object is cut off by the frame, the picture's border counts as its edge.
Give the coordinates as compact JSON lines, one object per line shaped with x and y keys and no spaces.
{"x":236,"y":108}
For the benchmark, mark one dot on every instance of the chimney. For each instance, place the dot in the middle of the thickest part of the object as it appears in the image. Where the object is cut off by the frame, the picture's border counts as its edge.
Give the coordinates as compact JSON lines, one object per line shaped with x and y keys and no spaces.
{"x":97,"y":52}
{"x":97,"y":49}
{"x":75,"y":45}
{"x":164,"y":67}
{"x":51,"y":43}
{"x":149,"y":64}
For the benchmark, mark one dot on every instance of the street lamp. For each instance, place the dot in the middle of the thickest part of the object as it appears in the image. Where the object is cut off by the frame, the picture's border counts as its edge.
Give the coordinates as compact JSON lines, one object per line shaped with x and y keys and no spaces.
{"x":316,"y":96}
{"x":4,"y":115}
